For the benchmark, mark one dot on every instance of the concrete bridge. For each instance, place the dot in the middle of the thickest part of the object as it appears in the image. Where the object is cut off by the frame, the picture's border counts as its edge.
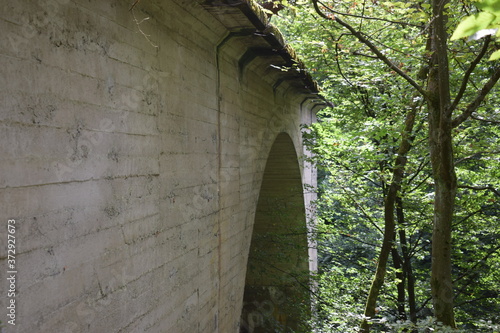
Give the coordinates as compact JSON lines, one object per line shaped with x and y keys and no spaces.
{"x":152,"y":168}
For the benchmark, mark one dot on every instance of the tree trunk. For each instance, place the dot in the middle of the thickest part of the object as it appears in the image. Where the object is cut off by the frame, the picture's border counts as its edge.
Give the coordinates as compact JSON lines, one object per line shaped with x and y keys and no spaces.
{"x":387,"y":243}
{"x":400,"y":275}
{"x":389,"y":221}
{"x":441,"y":152}
{"x":407,"y":269}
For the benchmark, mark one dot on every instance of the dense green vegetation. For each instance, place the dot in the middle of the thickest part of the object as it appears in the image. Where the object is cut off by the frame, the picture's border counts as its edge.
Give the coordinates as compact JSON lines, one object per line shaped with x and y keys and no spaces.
{"x":409,"y":193}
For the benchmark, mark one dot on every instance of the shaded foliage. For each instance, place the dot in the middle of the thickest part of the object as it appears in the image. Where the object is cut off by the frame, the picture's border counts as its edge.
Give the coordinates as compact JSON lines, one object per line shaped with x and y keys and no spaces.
{"x":356,"y":146}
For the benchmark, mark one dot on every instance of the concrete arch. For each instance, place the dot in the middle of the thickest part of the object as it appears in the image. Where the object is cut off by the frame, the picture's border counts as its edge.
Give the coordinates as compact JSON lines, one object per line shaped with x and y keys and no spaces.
{"x":276,"y":287}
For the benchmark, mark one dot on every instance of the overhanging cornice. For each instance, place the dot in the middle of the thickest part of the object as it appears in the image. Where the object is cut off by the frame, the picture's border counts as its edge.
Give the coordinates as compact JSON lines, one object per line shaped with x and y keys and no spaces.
{"x":240,"y":18}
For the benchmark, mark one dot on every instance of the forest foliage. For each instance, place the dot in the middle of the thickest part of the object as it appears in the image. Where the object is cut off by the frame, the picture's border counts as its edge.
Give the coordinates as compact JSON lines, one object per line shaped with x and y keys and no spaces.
{"x":379,"y":186}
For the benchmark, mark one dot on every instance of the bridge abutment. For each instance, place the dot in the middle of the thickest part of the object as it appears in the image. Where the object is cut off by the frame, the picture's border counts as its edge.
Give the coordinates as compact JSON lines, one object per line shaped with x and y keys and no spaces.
{"x":134,"y":149}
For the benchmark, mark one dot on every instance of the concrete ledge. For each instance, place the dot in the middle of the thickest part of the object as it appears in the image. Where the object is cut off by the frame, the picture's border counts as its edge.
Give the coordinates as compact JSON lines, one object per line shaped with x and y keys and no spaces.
{"x":247,"y":18}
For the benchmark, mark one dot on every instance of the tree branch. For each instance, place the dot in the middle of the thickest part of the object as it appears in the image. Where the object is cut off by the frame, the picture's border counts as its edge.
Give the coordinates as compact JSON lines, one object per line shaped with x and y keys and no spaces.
{"x":359,"y":240}
{"x":469,"y":71}
{"x":466,"y":158}
{"x":424,"y":181}
{"x":371,"y":46}
{"x":337,"y":57}
{"x":482,"y":261}
{"x":481,"y":188}
{"x":360,"y":207}
{"x":479,"y":99}
{"x":477,"y":299}
{"x":357,"y":53}
{"x":485,"y":120}
{"x":363,"y":17}
{"x":467,"y":217}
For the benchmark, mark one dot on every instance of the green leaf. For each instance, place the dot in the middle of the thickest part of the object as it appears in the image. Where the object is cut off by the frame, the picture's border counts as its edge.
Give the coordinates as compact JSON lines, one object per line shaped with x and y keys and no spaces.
{"x":472,"y":24}
{"x":495,"y":55}
{"x":492,"y":6}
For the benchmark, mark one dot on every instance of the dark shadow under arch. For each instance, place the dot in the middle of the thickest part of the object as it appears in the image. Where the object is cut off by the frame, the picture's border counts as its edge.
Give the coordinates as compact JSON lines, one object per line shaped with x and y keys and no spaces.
{"x":276,"y":295}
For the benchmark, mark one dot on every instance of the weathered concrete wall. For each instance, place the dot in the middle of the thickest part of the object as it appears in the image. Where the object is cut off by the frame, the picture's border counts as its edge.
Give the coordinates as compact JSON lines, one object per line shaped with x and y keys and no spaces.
{"x":132,"y":154}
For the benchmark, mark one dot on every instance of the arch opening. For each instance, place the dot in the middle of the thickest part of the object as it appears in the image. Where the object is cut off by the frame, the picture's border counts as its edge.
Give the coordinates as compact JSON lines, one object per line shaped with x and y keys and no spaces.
{"x":276,"y":297}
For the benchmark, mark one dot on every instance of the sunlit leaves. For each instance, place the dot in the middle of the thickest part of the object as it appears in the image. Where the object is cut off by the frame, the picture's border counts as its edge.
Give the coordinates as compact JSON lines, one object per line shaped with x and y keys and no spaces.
{"x":473,"y":24}
{"x":479,"y":25}
{"x":355,"y":145}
